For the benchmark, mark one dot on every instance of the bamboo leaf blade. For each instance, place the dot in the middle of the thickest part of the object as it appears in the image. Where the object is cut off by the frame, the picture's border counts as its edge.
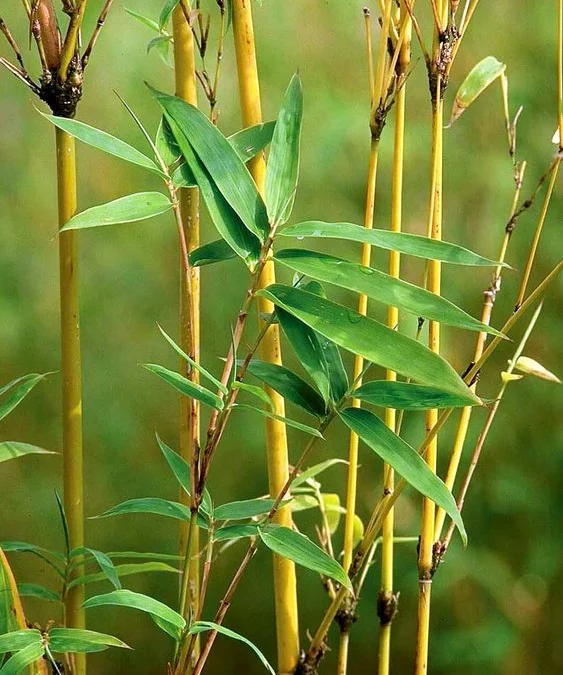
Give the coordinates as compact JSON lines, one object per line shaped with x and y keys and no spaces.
{"x":225,"y":167}
{"x":19,"y":639}
{"x":409,"y":244}
{"x":233,"y":532}
{"x":128,"y":209}
{"x":124,"y":570}
{"x":166,"y":12}
{"x":14,"y":449}
{"x":20,"y":389}
{"x":288,"y":422}
{"x":282,"y":170}
{"x":202,"y":626}
{"x":407,"y":396}
{"x":37,"y":591}
{"x":224,"y":217}
{"x":83,"y":641}
{"x":403,"y":458}
{"x":315,"y":470}
{"x":241,"y":510}
{"x":247,"y":143}
{"x":173,"y":623}
{"x":185,"y":386}
{"x":20,"y":660}
{"x":479,"y":78}
{"x":211,"y":253}
{"x":368,"y":338}
{"x":103,"y":141}
{"x":380,"y":287}
{"x":257,"y":392}
{"x":289,"y":385}
{"x":151,"y":505}
{"x":299,"y":548}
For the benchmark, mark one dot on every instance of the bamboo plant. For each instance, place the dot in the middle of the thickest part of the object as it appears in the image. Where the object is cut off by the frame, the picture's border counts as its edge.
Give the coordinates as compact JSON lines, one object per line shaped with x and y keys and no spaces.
{"x":247,"y":183}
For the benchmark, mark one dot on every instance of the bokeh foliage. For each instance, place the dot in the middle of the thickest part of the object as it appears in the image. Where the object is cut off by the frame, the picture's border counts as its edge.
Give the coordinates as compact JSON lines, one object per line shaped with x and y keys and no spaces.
{"x":497,"y":605}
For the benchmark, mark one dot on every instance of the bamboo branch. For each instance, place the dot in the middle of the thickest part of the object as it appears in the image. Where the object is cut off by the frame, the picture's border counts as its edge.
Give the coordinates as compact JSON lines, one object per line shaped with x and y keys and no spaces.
{"x":96,"y":34}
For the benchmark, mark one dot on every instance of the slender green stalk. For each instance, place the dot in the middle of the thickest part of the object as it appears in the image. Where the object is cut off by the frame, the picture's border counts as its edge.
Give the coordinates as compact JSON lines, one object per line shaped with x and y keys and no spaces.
{"x":72,"y":378}
{"x":285,"y":584}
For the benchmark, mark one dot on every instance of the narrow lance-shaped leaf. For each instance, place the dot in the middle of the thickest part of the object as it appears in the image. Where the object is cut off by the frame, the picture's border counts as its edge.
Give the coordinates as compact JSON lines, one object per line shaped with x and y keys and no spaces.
{"x":172,"y":622}
{"x":315,"y":470}
{"x":20,"y":660}
{"x":81,"y":641}
{"x":181,"y":470}
{"x":410,"y":244}
{"x":407,"y":396}
{"x":15,"y":640}
{"x":145,"y":20}
{"x":283,"y":163}
{"x":20,"y":389}
{"x":101,"y":140}
{"x":185,"y":386}
{"x":224,"y":217}
{"x":241,"y":510}
{"x":290,"y":423}
{"x":129,"y":209}
{"x":213,"y":252}
{"x":124,"y":570}
{"x":247,"y":143}
{"x":380,"y":287}
{"x":202,"y":626}
{"x":293,"y":388}
{"x":225,"y":167}
{"x":233,"y":532}
{"x":257,"y":392}
{"x":403,"y":458}
{"x":369,"y":338}
{"x":166,"y":12}
{"x":38,"y":591}
{"x":479,"y":78}
{"x":299,"y":548}
{"x":13,"y":449}
{"x":152,"y":505}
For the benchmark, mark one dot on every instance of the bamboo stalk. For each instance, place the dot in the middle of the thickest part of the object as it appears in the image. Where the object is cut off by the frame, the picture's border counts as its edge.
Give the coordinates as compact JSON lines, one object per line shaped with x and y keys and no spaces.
{"x":72,"y":379}
{"x":376,"y":97}
{"x":186,"y":88}
{"x":285,"y":583}
{"x":387,"y":605}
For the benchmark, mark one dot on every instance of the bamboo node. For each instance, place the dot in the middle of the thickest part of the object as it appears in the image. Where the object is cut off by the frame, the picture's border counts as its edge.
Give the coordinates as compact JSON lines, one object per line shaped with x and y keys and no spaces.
{"x":62,"y":96}
{"x":387,"y":606}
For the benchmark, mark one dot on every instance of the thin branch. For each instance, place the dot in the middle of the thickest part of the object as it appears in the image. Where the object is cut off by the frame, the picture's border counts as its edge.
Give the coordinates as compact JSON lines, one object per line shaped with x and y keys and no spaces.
{"x":13,"y":44}
{"x":24,"y":77}
{"x":95,"y":35}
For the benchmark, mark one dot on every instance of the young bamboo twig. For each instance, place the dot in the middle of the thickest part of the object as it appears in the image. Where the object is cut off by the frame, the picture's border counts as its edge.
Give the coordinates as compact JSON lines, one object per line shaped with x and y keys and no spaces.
{"x":285,"y":584}
{"x":96,"y":34}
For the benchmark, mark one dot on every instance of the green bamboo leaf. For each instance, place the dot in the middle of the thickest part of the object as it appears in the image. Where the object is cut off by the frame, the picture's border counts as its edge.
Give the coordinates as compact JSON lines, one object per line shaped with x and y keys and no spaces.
{"x":183,"y":176}
{"x":124,"y":570}
{"x":181,"y":470}
{"x":303,"y":502}
{"x":20,"y":389}
{"x":8,"y":621}
{"x":166,"y":12}
{"x":257,"y":392}
{"x":227,"y":170}
{"x":159,"y":42}
{"x":307,"y":348}
{"x":213,"y":252}
{"x":173,"y":623}
{"x":109,"y":570}
{"x":299,"y":548}
{"x":145,"y":20}
{"x":315,"y":470}
{"x":370,"y":339}
{"x":13,"y":449}
{"x":233,"y":532}
{"x":224,"y":217}
{"x":200,"y":369}
{"x":407,"y":396}
{"x":380,"y":287}
{"x":103,"y":141}
{"x":290,"y":423}
{"x":478,"y":79}
{"x":241,"y":510}
{"x":410,"y":244}
{"x":19,"y":639}
{"x":79,"y":640}
{"x":289,"y":385}
{"x":202,"y":626}
{"x":129,"y":209}
{"x":144,"y":555}
{"x":38,"y":591}
{"x":152,"y":505}
{"x":248,"y":142}
{"x":282,"y":170}
{"x":52,"y":558}
{"x":333,"y":510}
{"x":403,"y":458}
{"x":20,"y":660}
{"x":165,"y":143}
{"x":185,"y":386}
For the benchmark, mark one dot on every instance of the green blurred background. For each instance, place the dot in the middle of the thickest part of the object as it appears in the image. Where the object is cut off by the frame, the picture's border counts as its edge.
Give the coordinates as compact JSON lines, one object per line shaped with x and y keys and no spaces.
{"x":498,"y":605}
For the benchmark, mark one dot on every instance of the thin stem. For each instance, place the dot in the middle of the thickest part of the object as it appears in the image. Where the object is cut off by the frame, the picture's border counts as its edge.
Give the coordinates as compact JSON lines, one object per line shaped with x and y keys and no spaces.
{"x":285,"y":584}
{"x":72,"y":378}
{"x":70,"y":44}
{"x":560,"y":71}
{"x":187,"y":568}
{"x":21,"y":75}
{"x":96,"y":34}
{"x":12,"y":42}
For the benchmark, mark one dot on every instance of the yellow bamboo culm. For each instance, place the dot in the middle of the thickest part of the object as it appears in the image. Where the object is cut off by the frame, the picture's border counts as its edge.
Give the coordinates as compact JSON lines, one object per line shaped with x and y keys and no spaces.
{"x":72,"y":379}
{"x":186,"y":88}
{"x":388,"y":600}
{"x":426,"y":549}
{"x":285,"y":584}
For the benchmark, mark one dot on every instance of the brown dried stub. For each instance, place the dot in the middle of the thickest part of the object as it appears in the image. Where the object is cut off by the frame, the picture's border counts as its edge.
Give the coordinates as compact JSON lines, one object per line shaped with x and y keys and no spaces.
{"x":44,"y":24}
